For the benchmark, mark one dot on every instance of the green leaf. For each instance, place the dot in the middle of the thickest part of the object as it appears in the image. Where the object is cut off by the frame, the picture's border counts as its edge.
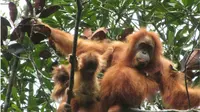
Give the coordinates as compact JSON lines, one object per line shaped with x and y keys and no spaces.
{"x":182,"y":41}
{"x":160,"y":8}
{"x":32,"y":103}
{"x":3,"y":96}
{"x":50,"y":10}
{"x":110,"y":6}
{"x":48,"y":84}
{"x":170,"y":36}
{"x":187,"y":2}
{"x":4,"y":64}
{"x":196,"y":82}
{"x":138,"y":0}
{"x":17,"y":109}
{"x":43,"y":107}
{"x":52,"y":22}
{"x":96,"y":2}
{"x":171,"y":28}
{"x":15,"y":93}
{"x":180,"y":33}
{"x":70,"y":10}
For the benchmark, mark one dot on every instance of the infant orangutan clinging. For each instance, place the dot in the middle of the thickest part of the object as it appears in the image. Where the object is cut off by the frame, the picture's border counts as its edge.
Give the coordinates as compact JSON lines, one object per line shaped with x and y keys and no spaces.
{"x":86,"y":86}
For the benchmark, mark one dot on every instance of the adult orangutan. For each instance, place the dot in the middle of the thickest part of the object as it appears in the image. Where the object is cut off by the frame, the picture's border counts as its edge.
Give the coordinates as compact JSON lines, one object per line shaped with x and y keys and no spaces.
{"x":128,"y":82}
{"x":141,"y":72}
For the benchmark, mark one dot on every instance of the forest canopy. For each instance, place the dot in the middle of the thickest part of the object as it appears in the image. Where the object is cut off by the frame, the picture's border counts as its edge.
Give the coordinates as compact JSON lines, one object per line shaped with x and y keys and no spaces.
{"x":28,"y":57}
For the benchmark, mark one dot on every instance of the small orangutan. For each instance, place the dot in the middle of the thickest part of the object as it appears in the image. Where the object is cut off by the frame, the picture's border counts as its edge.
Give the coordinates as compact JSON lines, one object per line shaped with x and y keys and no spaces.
{"x":173,"y":90}
{"x":61,"y":80}
{"x":128,"y":82}
{"x":86,"y":86}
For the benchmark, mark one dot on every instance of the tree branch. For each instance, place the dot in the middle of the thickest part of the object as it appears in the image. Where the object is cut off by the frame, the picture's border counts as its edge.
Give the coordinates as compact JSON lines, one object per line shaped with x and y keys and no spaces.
{"x":11,"y":82}
{"x":73,"y":56}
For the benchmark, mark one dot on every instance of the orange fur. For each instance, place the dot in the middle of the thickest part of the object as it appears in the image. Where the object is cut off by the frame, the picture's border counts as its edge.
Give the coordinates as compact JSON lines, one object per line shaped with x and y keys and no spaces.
{"x":124,"y":51}
{"x":125,"y":86}
{"x":86,"y":85}
{"x":63,"y":42}
{"x":61,"y":80}
{"x":154,"y":64}
{"x":62,"y":105}
{"x":173,"y":89}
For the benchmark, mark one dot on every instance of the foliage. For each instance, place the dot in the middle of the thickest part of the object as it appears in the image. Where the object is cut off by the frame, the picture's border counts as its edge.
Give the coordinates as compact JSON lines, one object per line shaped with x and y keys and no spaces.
{"x":28,"y":57}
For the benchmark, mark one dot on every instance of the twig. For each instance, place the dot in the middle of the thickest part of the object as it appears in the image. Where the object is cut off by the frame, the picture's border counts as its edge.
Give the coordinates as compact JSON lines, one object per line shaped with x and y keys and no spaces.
{"x":39,"y":74}
{"x":12,"y":78}
{"x":73,"y":56}
{"x":40,"y":77}
{"x":161,"y":35}
{"x":186,"y":86}
{"x":11,"y":82}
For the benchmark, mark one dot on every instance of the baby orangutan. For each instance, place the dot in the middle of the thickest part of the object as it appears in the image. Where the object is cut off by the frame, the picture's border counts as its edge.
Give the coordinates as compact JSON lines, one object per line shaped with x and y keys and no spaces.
{"x":86,"y":86}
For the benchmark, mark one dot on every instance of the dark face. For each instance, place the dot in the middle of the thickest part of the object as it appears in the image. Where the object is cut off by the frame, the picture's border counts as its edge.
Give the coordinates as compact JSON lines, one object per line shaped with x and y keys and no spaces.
{"x":90,"y":64}
{"x":144,"y":52}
